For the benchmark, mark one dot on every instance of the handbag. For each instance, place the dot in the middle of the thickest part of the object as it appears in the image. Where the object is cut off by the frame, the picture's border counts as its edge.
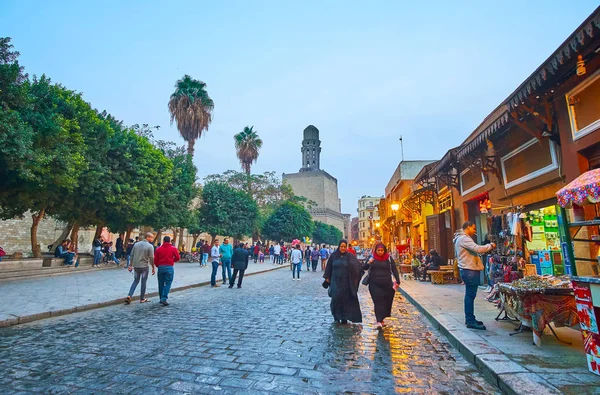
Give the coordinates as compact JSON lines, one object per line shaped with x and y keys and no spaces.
{"x":365,"y":280}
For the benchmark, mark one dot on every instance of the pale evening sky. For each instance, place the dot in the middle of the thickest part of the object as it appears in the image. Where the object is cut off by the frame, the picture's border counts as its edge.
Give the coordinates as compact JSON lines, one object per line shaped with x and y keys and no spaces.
{"x":363,"y":73}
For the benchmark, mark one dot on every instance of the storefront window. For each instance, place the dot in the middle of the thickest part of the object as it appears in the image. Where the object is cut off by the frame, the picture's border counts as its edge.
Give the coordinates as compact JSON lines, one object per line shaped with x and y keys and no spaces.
{"x":530,"y":160}
{"x":584,"y":107}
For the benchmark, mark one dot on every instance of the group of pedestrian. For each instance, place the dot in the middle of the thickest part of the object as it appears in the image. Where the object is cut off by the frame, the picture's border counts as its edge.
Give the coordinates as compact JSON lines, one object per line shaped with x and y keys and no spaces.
{"x":144,"y":257}
{"x":343,"y":274}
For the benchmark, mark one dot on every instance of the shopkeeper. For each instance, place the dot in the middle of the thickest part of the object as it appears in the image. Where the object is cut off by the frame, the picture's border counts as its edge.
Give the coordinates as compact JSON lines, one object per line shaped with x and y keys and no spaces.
{"x":470,"y":265}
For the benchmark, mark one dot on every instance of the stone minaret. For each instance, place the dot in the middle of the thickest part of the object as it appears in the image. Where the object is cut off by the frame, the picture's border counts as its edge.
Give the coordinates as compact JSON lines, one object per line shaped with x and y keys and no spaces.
{"x":311,"y":149}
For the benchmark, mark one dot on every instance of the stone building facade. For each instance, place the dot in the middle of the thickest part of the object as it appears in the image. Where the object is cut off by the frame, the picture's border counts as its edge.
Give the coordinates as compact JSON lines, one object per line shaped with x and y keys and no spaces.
{"x":317,"y":185}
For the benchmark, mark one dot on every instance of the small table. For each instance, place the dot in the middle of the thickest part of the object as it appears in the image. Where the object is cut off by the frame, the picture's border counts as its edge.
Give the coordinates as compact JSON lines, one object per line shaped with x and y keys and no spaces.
{"x":537,"y":308}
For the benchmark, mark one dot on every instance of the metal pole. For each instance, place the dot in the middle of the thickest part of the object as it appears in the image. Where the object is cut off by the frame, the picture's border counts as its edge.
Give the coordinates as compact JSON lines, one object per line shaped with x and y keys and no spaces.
{"x":401,"y":148}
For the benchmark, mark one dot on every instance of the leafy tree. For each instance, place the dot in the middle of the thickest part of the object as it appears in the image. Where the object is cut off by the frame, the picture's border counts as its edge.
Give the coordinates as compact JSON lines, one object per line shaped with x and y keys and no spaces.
{"x":226,"y":211}
{"x":191,"y":108}
{"x":174,"y":206}
{"x":265,"y":188}
{"x":326,"y":234}
{"x":247,"y":147}
{"x":288,"y":221}
{"x":55,"y":161}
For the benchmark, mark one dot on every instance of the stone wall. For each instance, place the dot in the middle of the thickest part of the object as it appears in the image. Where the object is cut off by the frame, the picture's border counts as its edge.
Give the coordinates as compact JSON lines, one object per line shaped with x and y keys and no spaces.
{"x":15,"y":234}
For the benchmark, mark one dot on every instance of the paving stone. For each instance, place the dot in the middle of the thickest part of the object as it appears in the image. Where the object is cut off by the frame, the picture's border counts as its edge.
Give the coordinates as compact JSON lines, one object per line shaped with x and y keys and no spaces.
{"x":265,"y":343}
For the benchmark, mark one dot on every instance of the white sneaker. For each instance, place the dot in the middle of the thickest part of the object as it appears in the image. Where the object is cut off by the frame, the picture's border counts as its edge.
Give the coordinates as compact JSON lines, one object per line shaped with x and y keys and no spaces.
{"x":298,"y":279}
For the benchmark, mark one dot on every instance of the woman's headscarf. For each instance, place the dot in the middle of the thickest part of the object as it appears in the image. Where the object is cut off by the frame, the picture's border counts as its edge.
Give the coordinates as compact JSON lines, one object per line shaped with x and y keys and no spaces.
{"x":385,"y":256}
{"x":337,"y":252}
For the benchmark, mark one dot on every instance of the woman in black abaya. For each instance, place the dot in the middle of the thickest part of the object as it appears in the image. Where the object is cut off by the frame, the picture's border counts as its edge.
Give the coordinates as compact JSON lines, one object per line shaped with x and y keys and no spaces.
{"x":342,"y":277}
{"x":381,"y":267}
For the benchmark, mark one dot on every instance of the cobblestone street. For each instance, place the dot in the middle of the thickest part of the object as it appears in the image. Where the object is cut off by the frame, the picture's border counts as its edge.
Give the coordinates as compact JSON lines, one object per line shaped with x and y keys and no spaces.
{"x":274,"y":335}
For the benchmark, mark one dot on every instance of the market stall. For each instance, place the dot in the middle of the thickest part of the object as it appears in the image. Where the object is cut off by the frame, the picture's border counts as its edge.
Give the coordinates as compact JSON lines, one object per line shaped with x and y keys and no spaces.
{"x":537,"y":302}
{"x":580,"y":220}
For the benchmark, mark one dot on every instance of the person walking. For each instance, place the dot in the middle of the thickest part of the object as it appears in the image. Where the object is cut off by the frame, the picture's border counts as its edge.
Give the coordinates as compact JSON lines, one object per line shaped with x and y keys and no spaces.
{"x":216,"y":262}
{"x":97,"y":248}
{"x":165,"y":257}
{"x":307,"y":257}
{"x":239,"y":259}
{"x":381,"y":267}
{"x":324,"y":252}
{"x":256,"y":251}
{"x":470,"y":267}
{"x":205,"y":252}
{"x":276,"y":252}
{"x":315,"y":255}
{"x":141,"y":255}
{"x":226,"y":251}
{"x":128,"y":251}
{"x":119,"y":247}
{"x":342,"y":278}
{"x":296,"y":260}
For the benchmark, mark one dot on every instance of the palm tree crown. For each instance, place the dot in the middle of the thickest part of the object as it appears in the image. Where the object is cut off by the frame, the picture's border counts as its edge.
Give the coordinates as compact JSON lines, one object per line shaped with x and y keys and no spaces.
{"x":191,"y":108}
{"x":247,"y":146}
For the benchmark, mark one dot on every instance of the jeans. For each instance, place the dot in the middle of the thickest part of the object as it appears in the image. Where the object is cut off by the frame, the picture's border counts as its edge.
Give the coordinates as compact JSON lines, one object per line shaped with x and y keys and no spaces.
{"x":165,"y":279}
{"x":128,"y":260}
{"x":114,"y":258}
{"x":213,"y":276}
{"x":296,"y":268}
{"x":235,"y":272}
{"x":97,"y":257}
{"x":471,"y":279}
{"x":68,"y":257}
{"x":139,"y":272}
{"x":315,"y":262}
{"x":226,"y":263}
{"x":204,"y":258}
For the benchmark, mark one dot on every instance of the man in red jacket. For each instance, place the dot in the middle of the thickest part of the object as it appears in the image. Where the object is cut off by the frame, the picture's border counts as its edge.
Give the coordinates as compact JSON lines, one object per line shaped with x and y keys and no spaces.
{"x":165,"y":257}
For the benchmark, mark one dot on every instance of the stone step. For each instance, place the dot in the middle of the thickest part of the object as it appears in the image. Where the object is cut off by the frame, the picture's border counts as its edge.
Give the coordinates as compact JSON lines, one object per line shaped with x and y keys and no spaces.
{"x":85,"y":266}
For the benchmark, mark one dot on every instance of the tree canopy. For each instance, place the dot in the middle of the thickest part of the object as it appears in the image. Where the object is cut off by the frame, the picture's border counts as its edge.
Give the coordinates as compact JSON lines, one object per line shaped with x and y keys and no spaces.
{"x":326,"y":234}
{"x":287,"y":222}
{"x":226,"y":211}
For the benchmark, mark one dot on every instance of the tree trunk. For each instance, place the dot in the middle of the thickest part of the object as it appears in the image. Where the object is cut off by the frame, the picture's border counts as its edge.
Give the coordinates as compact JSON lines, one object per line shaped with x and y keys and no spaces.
{"x":213,"y":237}
{"x":190,"y":148}
{"x":75,"y":237}
{"x":180,"y":238}
{"x":174,"y":239}
{"x":128,"y":234}
{"x":65,"y":233}
{"x":98,"y":231}
{"x":157,"y":238}
{"x":195,"y":241}
{"x":35,"y":247}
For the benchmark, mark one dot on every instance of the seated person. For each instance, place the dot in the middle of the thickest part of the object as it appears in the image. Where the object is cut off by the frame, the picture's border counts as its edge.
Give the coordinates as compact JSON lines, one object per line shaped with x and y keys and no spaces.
{"x":62,"y":251}
{"x":435,"y":261}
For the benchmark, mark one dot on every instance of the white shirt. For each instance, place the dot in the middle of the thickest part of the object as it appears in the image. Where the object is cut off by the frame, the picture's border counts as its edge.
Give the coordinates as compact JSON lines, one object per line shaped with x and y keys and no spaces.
{"x":214,"y":253}
{"x":277,"y":249}
{"x":296,"y":256}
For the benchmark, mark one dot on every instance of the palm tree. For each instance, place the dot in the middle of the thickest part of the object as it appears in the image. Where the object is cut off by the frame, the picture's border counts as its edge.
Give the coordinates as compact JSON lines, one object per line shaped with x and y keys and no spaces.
{"x":247,"y":146}
{"x":191,"y":108}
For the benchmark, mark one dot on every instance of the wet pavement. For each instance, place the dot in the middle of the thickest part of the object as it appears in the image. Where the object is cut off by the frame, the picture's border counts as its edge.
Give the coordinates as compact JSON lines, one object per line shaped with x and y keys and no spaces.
{"x":274,"y":335}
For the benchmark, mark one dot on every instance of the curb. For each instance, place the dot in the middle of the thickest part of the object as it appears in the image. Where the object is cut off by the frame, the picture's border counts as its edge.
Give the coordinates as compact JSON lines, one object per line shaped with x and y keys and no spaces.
{"x":507,"y":375}
{"x":18,"y":320}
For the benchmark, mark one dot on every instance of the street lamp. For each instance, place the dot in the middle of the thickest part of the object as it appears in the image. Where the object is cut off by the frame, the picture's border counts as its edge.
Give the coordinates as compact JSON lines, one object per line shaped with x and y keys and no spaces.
{"x":395,"y":207}
{"x":377,"y":225}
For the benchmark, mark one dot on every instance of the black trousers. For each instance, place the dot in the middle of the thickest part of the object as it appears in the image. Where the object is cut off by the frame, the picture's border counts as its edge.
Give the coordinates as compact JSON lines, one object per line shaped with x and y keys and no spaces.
{"x":235,"y":272}
{"x":314,"y":264}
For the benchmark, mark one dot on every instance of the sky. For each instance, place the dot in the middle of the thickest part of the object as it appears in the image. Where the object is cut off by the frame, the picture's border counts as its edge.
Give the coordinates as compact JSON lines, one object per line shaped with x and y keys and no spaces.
{"x":364,"y":73}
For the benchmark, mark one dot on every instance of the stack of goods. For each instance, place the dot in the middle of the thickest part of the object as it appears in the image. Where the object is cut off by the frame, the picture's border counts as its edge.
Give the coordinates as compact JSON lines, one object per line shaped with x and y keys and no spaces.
{"x":541,"y":284}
